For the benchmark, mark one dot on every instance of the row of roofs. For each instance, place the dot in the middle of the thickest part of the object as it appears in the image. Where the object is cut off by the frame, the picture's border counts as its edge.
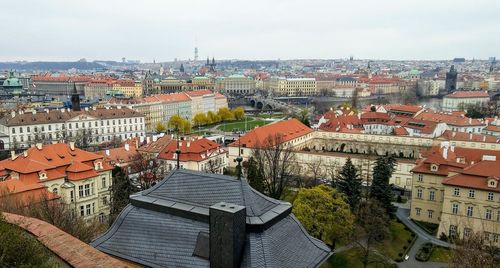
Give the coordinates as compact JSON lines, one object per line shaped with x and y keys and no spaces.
{"x":464,"y":167}
{"x":399,"y":119}
{"x":54,"y":116}
{"x":172,"y":97}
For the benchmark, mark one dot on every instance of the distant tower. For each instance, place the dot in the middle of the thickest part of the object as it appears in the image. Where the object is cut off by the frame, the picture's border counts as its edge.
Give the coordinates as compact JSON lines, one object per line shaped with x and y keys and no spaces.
{"x":123,"y":60}
{"x":195,"y":53}
{"x":208,"y":61}
{"x":75,"y":99}
{"x":451,"y":80}
{"x":182,"y":68}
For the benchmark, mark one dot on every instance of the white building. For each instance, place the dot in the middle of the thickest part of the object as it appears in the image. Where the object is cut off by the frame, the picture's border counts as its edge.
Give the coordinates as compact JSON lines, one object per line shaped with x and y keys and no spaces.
{"x":22,"y":129}
{"x":459,"y":100}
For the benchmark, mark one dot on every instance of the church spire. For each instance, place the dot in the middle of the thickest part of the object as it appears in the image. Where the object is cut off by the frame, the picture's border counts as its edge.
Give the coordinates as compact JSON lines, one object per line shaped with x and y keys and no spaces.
{"x":75,"y":99}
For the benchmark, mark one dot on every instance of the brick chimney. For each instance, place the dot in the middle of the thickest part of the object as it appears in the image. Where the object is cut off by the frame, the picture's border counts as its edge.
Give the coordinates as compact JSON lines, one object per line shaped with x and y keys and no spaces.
{"x":227,"y":235}
{"x":72,"y":145}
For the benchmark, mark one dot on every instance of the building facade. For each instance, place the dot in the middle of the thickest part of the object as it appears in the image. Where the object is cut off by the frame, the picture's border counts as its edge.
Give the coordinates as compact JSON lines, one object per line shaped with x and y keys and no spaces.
{"x":280,"y":86}
{"x":81,"y":179}
{"x":22,"y":129}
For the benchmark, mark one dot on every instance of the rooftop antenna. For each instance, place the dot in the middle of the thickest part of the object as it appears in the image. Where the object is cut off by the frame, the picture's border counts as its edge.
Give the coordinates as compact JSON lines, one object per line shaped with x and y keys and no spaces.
{"x":239,"y":158}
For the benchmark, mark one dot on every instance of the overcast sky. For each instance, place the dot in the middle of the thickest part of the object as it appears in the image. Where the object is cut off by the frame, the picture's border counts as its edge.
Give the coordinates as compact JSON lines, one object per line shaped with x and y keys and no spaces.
{"x":251,"y":29}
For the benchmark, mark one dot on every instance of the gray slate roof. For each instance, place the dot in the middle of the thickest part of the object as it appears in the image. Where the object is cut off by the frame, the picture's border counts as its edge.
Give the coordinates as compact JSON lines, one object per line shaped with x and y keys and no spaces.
{"x":158,"y":228}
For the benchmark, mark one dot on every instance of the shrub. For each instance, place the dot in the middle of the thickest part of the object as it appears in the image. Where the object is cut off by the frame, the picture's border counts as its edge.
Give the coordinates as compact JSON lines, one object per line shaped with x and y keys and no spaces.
{"x":405,"y":247}
{"x":400,"y":254}
{"x":399,"y":199}
{"x":424,"y":252}
{"x":409,"y":241}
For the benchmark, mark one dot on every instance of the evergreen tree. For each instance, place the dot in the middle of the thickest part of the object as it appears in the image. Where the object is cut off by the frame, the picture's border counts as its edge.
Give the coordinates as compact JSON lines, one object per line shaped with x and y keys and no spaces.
{"x":121,"y":189}
{"x":349,"y":183}
{"x":254,"y":177}
{"x":380,"y":188}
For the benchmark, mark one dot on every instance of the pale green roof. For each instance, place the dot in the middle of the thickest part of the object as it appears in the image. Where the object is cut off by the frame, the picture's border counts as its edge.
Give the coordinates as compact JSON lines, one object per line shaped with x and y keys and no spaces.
{"x":12,"y":82}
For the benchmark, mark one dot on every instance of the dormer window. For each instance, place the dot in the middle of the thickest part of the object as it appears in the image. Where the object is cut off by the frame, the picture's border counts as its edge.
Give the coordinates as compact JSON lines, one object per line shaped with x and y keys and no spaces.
{"x":492,"y":183}
{"x":42,"y":175}
{"x":434,"y":167}
{"x":98,"y":165}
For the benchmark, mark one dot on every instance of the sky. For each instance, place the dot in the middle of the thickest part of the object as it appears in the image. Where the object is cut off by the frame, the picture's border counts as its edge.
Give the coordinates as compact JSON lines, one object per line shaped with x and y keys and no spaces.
{"x":162,"y":30}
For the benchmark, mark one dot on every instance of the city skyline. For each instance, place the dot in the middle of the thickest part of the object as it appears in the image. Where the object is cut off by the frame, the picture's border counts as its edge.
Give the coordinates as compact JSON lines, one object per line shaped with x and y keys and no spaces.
{"x":413,"y":30}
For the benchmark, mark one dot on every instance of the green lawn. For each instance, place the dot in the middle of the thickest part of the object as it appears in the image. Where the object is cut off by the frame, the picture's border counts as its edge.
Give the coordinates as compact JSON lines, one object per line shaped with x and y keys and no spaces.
{"x":440,"y":254}
{"x":399,"y":239}
{"x":351,"y":259}
{"x":240,"y":125}
{"x":276,"y":116}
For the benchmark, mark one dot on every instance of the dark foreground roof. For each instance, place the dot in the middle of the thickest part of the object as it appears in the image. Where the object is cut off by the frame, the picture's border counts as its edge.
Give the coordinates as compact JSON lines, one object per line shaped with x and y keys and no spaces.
{"x":161,"y":225}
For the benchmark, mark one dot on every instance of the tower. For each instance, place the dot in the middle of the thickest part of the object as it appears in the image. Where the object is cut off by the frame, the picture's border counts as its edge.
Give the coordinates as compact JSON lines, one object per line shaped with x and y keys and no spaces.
{"x":451,"y":80}
{"x":195,"y":53}
{"x":182,"y":68}
{"x":75,"y":99}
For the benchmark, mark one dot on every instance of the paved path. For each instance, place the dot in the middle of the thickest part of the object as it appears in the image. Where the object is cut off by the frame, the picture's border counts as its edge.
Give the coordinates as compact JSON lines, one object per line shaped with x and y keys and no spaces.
{"x":403,"y":214}
{"x":413,"y":263}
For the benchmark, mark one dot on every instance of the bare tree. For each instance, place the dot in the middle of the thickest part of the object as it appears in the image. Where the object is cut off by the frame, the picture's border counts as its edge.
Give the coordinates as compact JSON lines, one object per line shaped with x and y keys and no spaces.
{"x":149,"y":168}
{"x":276,"y":161}
{"x":214,"y":166}
{"x":371,"y":228}
{"x":52,"y":211}
{"x":316,"y":170}
{"x":474,"y":251}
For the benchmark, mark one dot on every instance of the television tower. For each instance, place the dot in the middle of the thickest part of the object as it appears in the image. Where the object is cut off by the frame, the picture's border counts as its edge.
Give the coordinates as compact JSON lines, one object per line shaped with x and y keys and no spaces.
{"x":195,"y":53}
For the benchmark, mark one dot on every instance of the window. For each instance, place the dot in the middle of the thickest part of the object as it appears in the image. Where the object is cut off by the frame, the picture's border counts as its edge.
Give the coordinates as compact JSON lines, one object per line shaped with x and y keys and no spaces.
{"x":87,"y":189}
{"x":453,"y":231}
{"x":104,"y":182}
{"x":498,"y":215}
{"x":419,"y":193}
{"x":456,"y":192}
{"x":488,"y":213}
{"x":430,"y":212}
{"x":105,"y":200}
{"x":490,"y":196}
{"x":72,"y":196}
{"x":88,"y":209}
{"x":80,"y":191}
{"x":54,"y":190}
{"x":432,"y":195}
{"x":496,"y":237}
{"x":420,"y":177}
{"x":93,"y":208}
{"x":454,"y":208}
{"x":13,"y":130}
{"x":470,"y":211}
{"x":467,"y":232}
{"x":82,"y":211}
{"x":472,"y":193}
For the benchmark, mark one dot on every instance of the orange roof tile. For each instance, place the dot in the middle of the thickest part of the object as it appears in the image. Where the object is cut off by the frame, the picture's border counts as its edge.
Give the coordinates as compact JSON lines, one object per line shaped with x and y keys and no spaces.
{"x":191,"y":150}
{"x":463,"y":136}
{"x":449,"y":118}
{"x":289,"y":129}
{"x":468,"y":94}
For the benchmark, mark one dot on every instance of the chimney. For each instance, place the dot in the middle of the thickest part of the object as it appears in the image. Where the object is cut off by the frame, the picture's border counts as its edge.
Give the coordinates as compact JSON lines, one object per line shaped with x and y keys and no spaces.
{"x":127,"y":147}
{"x":147,"y":140}
{"x":25,"y":153}
{"x":227,"y":234}
{"x":12,"y":155}
{"x":470,"y":136}
{"x":34,"y":111}
{"x":453,"y":134}
{"x":188,"y":144}
{"x":484,"y":138}
{"x":86,"y":109}
{"x":72,"y":145}
{"x":13,"y":114}
{"x":39,"y":146}
{"x":470,"y":120}
{"x":94,"y":108}
{"x":155,"y":138}
{"x":141,"y":139}
{"x":107,"y":152}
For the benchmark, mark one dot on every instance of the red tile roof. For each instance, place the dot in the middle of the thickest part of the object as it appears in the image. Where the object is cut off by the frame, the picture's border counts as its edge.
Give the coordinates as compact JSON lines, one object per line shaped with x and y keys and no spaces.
{"x":289,"y":129}
{"x":24,"y":194}
{"x":471,"y":181}
{"x":403,"y":108}
{"x":463,"y":136}
{"x":73,"y":251}
{"x":468,"y":94}
{"x":191,"y":150}
{"x":449,"y":118}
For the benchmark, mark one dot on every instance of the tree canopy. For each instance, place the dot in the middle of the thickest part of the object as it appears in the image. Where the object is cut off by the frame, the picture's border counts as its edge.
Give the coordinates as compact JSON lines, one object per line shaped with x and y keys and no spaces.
{"x":349,"y":183}
{"x":380,"y":189}
{"x":324,"y":213}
